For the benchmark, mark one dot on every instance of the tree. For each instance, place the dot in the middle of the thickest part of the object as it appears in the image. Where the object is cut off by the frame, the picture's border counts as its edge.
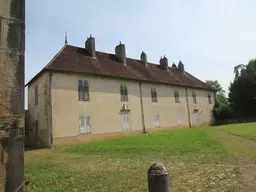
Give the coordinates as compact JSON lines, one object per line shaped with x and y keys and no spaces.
{"x":242,"y":95}
{"x":237,"y":70}
{"x":216,"y":85}
{"x":221,"y":109}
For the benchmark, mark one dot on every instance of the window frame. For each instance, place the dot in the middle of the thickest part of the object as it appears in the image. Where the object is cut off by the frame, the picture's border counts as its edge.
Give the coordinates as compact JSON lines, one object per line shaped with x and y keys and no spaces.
{"x":153,"y":95}
{"x":209,"y":99}
{"x":83,"y":90}
{"x":177,"y":96}
{"x":123,"y":92}
{"x":194,"y":97}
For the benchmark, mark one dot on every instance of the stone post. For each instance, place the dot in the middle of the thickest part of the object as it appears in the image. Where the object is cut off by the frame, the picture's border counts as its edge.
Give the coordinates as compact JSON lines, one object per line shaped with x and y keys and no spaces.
{"x":12,"y":57}
{"x":158,"y":179}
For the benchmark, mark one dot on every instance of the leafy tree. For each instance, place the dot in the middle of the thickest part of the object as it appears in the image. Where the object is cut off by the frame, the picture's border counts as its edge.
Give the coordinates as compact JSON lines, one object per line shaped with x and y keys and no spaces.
{"x":221,"y":109}
{"x":216,"y":85}
{"x":242,"y":95}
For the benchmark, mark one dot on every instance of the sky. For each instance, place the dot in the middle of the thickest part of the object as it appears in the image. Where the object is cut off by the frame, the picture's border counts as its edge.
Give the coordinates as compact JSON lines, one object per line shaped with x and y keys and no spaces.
{"x":210,"y":37}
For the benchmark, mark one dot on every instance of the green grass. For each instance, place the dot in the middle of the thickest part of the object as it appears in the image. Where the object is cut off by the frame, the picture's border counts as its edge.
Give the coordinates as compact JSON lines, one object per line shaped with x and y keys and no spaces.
{"x":247,"y":130}
{"x":160,"y":144}
{"x":193,"y":157}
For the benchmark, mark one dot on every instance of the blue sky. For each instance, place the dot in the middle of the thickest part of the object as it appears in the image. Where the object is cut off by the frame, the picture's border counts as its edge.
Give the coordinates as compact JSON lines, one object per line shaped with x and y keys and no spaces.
{"x":209,"y":36}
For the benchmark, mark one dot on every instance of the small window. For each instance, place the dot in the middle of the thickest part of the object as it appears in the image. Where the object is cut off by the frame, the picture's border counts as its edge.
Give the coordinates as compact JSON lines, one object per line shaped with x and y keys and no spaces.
{"x":194,"y":97}
{"x":209,"y":99}
{"x":83,"y":90}
{"x":153,"y":95}
{"x":177,"y":97}
{"x":123,"y":92}
{"x":36,"y":95}
{"x":156,"y":120}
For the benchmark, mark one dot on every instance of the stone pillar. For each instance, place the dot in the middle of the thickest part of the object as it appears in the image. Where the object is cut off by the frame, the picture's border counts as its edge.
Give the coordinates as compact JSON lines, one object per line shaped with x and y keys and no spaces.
{"x":158,"y":179}
{"x":12,"y":48}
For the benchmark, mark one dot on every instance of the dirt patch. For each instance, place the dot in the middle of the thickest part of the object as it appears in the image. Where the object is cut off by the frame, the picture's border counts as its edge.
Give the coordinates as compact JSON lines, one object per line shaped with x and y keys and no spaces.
{"x":244,"y":150}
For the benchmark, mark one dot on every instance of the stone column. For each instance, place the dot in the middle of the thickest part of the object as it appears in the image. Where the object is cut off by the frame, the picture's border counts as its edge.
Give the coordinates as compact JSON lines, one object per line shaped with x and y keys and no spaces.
{"x":12,"y":48}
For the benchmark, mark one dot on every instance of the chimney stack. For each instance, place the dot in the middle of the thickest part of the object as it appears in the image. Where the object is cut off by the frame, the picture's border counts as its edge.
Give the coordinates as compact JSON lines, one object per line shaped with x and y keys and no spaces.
{"x":143,"y":58}
{"x":120,"y":53}
{"x":181,"y":67}
{"x":164,"y":63}
{"x":90,"y":46}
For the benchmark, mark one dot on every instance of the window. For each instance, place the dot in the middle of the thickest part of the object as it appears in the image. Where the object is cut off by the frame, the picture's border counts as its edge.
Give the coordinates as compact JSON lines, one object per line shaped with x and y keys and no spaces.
{"x":126,"y":122}
{"x":156,"y":120}
{"x":209,"y":99}
{"x":83,"y":90}
{"x":194,"y":97}
{"x":123,"y":92}
{"x":153,"y":95}
{"x":177,"y":97}
{"x":179,"y":119}
{"x":36,"y":95}
{"x":85,"y":124}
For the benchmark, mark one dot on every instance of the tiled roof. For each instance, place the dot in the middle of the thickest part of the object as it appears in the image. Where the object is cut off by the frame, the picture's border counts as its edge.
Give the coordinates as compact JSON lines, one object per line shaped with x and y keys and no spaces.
{"x":77,"y":60}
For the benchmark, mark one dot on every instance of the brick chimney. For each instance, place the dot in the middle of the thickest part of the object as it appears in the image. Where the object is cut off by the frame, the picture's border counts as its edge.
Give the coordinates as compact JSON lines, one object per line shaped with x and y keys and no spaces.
{"x":90,"y":46}
{"x":120,"y":53}
{"x":143,"y":58}
{"x":164,"y":63}
{"x":181,"y":67}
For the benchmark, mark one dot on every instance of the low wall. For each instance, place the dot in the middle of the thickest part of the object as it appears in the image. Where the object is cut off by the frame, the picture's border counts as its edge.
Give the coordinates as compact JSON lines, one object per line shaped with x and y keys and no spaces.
{"x":235,"y":121}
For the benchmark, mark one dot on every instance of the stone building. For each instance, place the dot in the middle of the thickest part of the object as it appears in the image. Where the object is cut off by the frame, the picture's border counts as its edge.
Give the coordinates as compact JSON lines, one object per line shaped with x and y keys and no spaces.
{"x":85,"y":92}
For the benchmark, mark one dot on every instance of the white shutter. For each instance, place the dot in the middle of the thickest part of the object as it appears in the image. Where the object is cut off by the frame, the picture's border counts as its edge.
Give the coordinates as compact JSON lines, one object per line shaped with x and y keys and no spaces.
{"x":156,"y":120}
{"x":126,"y":122}
{"x":88,"y":124}
{"x":179,"y":118}
{"x":82,"y":124}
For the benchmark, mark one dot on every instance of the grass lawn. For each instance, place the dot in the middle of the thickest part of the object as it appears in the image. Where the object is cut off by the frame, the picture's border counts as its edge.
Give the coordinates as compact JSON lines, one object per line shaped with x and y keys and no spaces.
{"x":198,"y":160}
{"x":247,"y":130}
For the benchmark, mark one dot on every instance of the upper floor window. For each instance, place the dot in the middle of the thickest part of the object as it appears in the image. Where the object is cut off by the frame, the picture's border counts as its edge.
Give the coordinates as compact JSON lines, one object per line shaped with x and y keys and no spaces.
{"x":209,"y":99}
{"x":123,"y":92}
{"x":153,"y":95}
{"x":177,"y":97}
{"x":194,"y":97}
{"x":36,"y":95}
{"x":83,"y":90}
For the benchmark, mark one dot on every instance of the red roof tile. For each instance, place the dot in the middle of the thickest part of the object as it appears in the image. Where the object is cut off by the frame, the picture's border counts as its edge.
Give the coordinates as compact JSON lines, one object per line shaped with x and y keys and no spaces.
{"x":77,"y":60}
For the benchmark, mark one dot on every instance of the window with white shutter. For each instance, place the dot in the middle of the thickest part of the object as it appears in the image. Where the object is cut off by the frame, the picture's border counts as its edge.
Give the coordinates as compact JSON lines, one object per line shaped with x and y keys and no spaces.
{"x":156,"y":120}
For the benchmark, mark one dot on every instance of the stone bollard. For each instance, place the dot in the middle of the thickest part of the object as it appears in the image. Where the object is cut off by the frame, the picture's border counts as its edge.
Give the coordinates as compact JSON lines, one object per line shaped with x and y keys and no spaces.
{"x":158,"y":179}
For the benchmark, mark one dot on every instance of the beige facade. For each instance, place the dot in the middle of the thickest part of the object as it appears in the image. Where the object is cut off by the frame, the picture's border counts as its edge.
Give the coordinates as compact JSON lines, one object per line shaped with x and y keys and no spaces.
{"x":59,"y":111}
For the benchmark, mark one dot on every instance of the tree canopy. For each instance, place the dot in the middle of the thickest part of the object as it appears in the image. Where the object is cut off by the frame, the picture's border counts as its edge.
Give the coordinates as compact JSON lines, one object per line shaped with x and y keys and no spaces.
{"x":242,"y":95}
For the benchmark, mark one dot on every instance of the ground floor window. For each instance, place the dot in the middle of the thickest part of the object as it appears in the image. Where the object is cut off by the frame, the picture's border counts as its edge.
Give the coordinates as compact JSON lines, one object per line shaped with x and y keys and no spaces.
{"x":156,"y":120}
{"x":179,"y":119}
{"x":85,"y":124}
{"x":126,"y":122}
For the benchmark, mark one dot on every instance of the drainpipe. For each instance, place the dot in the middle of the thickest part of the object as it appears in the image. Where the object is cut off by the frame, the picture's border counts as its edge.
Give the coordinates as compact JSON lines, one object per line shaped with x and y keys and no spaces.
{"x":142,"y":111}
{"x":189,"y":121}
